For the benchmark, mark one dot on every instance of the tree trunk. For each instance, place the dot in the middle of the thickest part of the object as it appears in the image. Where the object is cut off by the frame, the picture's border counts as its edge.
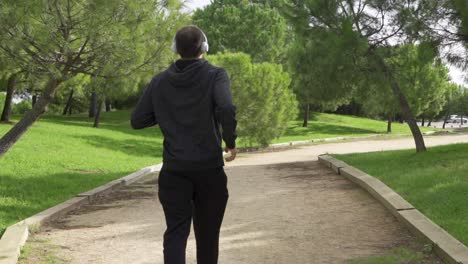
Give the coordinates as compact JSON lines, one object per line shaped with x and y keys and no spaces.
{"x":445,"y":121}
{"x":69,"y":101}
{"x":34,"y":100}
{"x":92,"y":105}
{"x":15,"y":133}
{"x":9,"y":98}
{"x":389,"y":123}
{"x":306,"y":115}
{"x":70,"y":108}
{"x":98,"y":113}
{"x":405,"y":107}
{"x":429,"y":123}
{"x":422,"y":122}
{"x":108,"y":105}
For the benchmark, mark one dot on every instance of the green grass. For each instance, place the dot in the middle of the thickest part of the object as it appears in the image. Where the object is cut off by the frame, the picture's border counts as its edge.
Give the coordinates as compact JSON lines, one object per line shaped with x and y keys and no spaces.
{"x":435,"y":182}
{"x":324,"y":125}
{"x":60,"y":157}
{"x":39,"y":251}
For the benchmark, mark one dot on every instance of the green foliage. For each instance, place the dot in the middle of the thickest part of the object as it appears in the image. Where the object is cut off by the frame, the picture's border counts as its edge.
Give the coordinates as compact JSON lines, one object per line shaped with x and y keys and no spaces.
{"x":61,"y":39}
{"x":240,"y":26}
{"x":461,"y":8}
{"x":423,"y":79}
{"x":324,"y":67}
{"x":21,"y":108}
{"x":461,"y":101}
{"x":445,"y":22}
{"x":435,"y":182}
{"x":261,"y":92}
{"x":451,"y":94}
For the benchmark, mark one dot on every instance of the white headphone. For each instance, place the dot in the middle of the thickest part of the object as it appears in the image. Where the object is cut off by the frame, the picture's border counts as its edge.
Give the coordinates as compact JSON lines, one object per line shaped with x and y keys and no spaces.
{"x":204,"y":46}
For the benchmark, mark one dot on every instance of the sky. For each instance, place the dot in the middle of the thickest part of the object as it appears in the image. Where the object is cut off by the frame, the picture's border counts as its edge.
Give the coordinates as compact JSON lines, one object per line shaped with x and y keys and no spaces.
{"x":194,"y":4}
{"x":455,"y":73}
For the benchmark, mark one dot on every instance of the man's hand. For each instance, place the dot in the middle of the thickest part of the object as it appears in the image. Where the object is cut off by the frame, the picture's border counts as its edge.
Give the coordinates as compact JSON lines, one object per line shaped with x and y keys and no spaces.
{"x":233,"y":153}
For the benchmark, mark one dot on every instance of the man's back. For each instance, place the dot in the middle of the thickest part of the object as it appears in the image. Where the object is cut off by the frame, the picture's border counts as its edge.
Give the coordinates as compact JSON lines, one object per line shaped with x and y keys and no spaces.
{"x":189,"y":101}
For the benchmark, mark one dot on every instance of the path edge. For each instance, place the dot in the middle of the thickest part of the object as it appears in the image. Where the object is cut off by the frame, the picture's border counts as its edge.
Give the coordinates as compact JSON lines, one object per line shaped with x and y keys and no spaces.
{"x":298,"y":143}
{"x":16,"y":235}
{"x":444,"y":245}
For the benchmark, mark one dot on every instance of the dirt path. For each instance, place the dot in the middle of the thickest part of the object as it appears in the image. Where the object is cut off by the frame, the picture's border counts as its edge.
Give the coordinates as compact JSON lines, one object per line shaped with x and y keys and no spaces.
{"x":284,"y":208}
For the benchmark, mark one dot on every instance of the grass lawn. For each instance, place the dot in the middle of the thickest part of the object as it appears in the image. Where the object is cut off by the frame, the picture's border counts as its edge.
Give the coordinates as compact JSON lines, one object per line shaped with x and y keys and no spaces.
{"x":324,"y":125}
{"x":435,"y":182}
{"x":60,"y":157}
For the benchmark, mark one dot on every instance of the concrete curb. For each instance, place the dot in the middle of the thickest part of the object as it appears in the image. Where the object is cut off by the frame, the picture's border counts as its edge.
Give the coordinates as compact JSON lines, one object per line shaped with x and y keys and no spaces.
{"x":445,"y":246}
{"x":16,"y":235}
{"x":12,"y":240}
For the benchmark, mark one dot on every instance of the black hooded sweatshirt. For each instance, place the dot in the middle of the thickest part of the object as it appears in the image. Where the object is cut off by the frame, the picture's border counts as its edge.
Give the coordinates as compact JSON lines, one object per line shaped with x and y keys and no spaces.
{"x":191,"y":102}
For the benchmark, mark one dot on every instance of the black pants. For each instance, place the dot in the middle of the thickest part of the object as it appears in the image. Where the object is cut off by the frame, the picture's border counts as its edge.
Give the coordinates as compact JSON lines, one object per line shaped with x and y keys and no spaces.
{"x":201,"y":194}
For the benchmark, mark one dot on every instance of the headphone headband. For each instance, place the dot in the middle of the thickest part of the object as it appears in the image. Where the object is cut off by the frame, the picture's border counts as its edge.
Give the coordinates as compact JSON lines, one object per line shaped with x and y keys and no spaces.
{"x":203,"y":48}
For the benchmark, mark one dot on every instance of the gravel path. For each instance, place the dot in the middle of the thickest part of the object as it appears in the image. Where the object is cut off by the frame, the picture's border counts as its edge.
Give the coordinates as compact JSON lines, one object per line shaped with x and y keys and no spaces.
{"x":284,"y":208}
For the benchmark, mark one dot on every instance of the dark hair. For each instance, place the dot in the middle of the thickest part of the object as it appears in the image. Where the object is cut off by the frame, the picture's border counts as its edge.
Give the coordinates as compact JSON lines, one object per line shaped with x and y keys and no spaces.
{"x":188,"y":41}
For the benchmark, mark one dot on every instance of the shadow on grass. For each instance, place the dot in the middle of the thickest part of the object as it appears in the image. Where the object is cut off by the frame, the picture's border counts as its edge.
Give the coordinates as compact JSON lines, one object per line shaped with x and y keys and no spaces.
{"x":323,"y":128}
{"x":133,"y":147}
{"x":108,"y":124}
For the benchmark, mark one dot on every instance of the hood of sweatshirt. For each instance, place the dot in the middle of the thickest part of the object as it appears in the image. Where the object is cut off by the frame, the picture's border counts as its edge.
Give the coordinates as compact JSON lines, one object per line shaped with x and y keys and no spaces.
{"x":186,"y":76}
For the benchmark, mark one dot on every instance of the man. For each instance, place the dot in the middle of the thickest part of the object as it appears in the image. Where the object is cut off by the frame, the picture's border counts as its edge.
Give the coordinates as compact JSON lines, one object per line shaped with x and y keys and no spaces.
{"x":191,"y":101}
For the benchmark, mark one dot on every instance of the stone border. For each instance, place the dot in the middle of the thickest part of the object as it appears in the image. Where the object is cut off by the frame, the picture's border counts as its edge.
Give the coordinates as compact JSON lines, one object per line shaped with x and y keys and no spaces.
{"x":16,"y":235}
{"x":445,"y":246}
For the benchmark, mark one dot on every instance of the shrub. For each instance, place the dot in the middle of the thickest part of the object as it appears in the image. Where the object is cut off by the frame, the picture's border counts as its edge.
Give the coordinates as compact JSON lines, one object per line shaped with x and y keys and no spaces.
{"x":21,"y":108}
{"x":265,"y":103}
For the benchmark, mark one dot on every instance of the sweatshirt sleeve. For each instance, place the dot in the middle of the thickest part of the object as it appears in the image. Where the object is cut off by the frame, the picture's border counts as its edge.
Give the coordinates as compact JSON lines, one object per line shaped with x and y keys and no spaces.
{"x":143,"y":115}
{"x":225,"y":110}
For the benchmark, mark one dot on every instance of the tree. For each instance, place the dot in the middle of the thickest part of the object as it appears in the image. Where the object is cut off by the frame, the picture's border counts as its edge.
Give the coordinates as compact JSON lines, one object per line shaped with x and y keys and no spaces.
{"x":58,"y":39}
{"x":446,"y":22}
{"x":240,"y":26}
{"x":319,"y":62}
{"x":376,"y":98}
{"x":261,"y":92}
{"x":106,"y":88}
{"x":370,"y":28}
{"x":461,"y":103}
{"x":451,"y":93}
{"x":11,"y":76}
{"x":10,"y":90}
{"x":70,"y":90}
{"x":423,"y":78}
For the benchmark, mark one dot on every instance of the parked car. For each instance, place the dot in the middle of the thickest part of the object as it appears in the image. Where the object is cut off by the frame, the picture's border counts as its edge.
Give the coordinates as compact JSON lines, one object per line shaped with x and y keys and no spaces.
{"x":458,"y":120}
